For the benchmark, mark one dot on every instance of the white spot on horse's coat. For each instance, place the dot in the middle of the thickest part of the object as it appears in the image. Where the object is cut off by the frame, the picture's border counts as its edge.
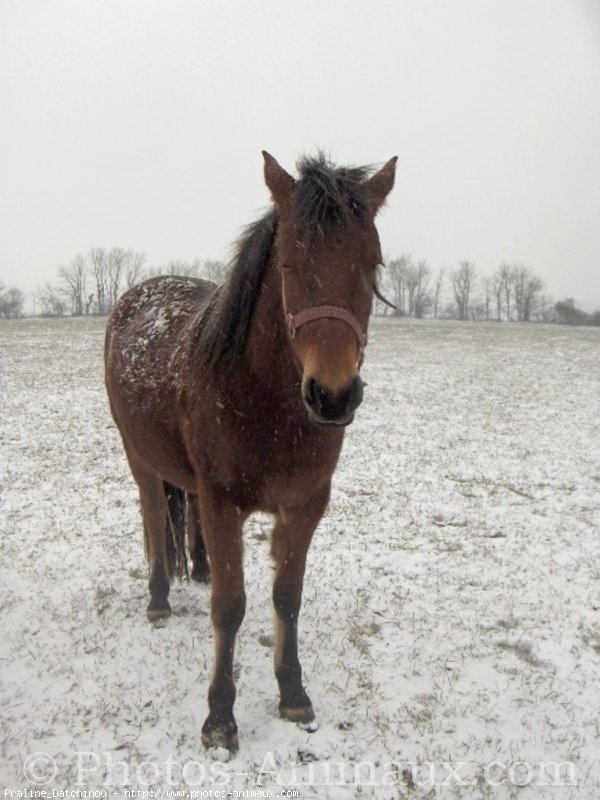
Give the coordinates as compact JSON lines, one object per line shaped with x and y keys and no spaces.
{"x":161,"y":323}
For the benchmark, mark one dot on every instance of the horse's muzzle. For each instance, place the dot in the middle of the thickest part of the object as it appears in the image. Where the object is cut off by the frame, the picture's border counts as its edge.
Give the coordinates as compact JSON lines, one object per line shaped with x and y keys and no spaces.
{"x":327,"y":408}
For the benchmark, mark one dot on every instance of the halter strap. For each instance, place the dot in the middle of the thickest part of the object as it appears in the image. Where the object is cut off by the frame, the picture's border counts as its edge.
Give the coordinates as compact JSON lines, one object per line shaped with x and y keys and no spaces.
{"x":329,"y":312}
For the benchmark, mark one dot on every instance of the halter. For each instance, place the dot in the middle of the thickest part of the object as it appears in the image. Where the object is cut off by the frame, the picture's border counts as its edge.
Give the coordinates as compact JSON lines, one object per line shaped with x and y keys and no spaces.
{"x":294,"y":321}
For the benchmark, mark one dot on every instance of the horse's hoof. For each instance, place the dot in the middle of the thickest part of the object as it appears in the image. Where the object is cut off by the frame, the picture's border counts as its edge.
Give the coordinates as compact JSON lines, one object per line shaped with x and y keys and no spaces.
{"x":220,"y":735}
{"x":303,"y":714}
{"x":158,"y":613}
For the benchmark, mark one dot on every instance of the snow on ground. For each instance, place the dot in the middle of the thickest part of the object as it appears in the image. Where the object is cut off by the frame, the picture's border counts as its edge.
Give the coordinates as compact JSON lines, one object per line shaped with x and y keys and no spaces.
{"x":450,"y":633}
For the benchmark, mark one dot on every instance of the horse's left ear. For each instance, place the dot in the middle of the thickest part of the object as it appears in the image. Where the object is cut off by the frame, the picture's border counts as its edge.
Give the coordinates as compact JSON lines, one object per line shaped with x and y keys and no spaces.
{"x":380,"y":185}
{"x":280,"y":183}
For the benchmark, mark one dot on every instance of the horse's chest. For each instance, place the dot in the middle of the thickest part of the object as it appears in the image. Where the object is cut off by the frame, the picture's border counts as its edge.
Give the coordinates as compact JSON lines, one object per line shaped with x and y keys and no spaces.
{"x":272,"y":460}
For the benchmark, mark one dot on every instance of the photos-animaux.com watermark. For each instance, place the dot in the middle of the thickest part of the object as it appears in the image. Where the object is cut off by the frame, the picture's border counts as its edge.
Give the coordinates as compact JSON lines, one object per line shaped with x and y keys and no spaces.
{"x":107,"y":770}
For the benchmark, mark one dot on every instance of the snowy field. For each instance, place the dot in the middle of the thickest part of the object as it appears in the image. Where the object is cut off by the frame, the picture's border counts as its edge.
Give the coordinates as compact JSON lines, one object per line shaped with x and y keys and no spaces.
{"x":450,"y":632}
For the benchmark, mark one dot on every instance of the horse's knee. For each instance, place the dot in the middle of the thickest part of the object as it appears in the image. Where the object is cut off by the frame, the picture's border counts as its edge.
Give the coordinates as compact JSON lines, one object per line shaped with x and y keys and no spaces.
{"x":287,"y":602}
{"x":228,"y":613}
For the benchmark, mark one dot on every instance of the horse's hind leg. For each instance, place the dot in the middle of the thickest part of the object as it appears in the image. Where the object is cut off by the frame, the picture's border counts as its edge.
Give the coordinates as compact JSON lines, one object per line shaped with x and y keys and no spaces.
{"x":292,"y":535}
{"x":153,"y":502}
{"x":200,"y":565}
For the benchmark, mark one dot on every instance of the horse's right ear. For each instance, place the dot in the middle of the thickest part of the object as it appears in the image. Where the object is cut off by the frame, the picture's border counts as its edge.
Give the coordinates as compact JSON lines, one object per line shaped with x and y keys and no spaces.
{"x":281,"y":185}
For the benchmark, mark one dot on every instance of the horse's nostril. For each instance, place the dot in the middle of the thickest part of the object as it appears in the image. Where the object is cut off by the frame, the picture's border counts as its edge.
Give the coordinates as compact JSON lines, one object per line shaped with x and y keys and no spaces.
{"x":313,"y":393}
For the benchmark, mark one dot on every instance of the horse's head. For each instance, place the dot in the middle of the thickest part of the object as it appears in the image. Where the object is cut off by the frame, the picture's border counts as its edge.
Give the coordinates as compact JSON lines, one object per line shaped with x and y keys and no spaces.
{"x":327,"y":251}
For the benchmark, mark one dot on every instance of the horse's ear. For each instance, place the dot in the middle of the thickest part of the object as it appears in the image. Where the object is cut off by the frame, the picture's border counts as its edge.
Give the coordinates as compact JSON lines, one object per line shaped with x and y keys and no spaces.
{"x":281,"y":185}
{"x":380,"y":185}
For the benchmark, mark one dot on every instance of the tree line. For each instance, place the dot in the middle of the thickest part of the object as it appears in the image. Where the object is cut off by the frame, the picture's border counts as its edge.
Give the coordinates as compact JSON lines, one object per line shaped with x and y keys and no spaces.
{"x":511,"y":293}
{"x":92,"y":282}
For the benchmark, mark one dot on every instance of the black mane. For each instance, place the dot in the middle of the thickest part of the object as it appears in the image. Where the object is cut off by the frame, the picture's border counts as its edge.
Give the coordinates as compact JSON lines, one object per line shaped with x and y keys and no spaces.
{"x":225,"y":321}
{"x":326,"y":197}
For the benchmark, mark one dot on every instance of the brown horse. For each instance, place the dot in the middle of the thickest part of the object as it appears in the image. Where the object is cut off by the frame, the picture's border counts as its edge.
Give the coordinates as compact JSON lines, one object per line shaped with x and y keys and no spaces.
{"x":236,"y":398}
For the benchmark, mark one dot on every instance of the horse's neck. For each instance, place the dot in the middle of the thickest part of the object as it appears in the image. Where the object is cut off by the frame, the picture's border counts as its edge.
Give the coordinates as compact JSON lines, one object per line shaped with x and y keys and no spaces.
{"x":268,"y":350}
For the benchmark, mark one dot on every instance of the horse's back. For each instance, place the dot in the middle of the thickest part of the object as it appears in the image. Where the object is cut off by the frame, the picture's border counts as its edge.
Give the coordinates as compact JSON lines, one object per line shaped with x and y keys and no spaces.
{"x":148,"y":322}
{"x":154,"y":305}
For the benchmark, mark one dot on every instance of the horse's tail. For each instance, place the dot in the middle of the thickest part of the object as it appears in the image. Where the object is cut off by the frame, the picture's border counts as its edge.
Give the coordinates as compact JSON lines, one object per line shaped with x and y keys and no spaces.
{"x":177,"y":563}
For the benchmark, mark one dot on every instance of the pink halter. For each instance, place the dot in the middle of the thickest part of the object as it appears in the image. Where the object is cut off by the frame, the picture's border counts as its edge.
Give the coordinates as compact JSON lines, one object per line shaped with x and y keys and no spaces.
{"x":294,"y":321}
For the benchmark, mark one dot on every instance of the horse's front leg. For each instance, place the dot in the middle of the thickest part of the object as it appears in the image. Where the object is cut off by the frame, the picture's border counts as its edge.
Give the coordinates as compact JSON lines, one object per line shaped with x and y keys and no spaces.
{"x":292,"y":535}
{"x":222,"y":528}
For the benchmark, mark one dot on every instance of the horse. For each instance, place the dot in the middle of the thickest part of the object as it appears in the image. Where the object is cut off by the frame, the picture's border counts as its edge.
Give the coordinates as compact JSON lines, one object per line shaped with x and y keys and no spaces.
{"x":234,"y":399}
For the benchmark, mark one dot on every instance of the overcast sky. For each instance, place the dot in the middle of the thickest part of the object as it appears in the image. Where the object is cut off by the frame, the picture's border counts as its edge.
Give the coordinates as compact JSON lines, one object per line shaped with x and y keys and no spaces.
{"x":140,"y":123}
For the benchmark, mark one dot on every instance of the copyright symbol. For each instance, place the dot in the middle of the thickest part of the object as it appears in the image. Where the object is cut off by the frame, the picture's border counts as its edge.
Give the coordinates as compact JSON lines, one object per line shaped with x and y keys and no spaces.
{"x":39,"y":768}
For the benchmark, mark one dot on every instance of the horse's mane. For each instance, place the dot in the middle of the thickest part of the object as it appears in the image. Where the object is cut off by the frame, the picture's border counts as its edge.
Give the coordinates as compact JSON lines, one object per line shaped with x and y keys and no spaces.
{"x":225,"y":321}
{"x":326,"y":197}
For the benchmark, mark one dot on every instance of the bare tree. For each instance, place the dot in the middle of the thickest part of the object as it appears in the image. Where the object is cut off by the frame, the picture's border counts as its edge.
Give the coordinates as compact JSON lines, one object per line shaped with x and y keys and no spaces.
{"x":185,"y":268}
{"x":397,"y":270}
{"x":116,"y":263}
{"x":437,"y":291}
{"x":113,"y":270}
{"x":134,"y":269}
{"x":526,"y":288}
{"x":99,"y":269}
{"x":463,"y":282}
{"x":12,"y":301}
{"x":73,"y":279}
{"x":51,"y":302}
{"x":506,"y":276}
{"x":497,"y":287}
{"x":519,"y":276}
{"x":417,"y":285}
{"x":213,"y":270}
{"x":532,"y":292}
{"x":488,"y":292}
{"x":545,"y":309}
